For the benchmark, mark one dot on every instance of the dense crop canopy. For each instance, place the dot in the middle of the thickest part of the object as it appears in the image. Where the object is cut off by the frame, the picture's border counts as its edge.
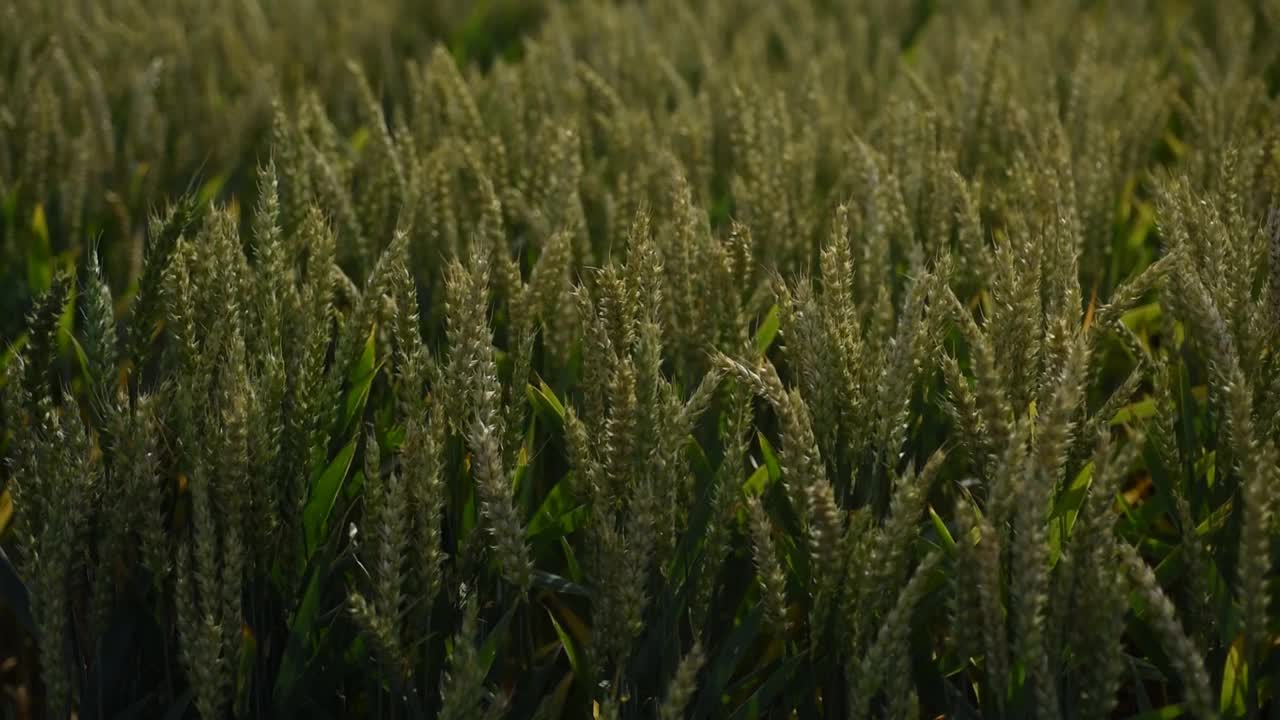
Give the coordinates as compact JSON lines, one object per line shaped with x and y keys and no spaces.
{"x":677,"y":359}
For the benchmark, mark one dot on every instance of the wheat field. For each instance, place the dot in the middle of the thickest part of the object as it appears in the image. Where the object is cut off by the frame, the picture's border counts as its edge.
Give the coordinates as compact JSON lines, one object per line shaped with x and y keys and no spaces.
{"x":639,"y":359}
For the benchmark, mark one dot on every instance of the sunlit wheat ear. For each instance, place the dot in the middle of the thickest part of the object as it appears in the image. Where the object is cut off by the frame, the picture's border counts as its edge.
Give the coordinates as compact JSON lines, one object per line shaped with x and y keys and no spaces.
{"x":724,"y":495}
{"x":1272,"y":234}
{"x":1183,"y":655}
{"x":101,"y":344}
{"x":1256,"y":457}
{"x":478,"y":399}
{"x":463,"y":692}
{"x":1100,"y":600}
{"x":883,"y":664}
{"x":891,"y":554}
{"x":683,"y":684}
{"x":57,"y":482}
{"x":549,"y":294}
{"x":387,"y":535}
{"x":382,"y":193}
{"x":769,"y":572}
{"x":151,"y":490}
